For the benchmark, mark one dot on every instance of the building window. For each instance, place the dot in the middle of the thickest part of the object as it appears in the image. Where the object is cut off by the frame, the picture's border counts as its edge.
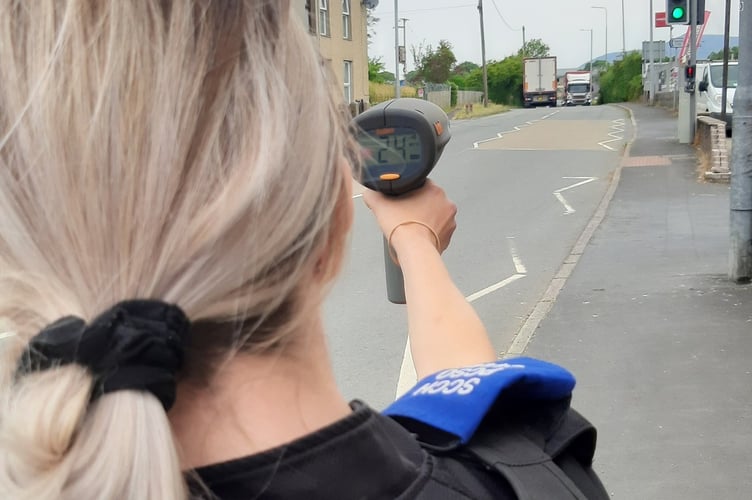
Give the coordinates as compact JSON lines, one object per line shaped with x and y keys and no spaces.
{"x":347,"y":78}
{"x":324,"y":17}
{"x":346,"y":23}
{"x":311,"y":16}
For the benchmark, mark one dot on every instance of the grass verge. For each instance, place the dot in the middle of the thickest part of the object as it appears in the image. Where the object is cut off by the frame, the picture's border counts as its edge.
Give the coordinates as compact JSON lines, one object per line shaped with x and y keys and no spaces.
{"x":479,"y":111}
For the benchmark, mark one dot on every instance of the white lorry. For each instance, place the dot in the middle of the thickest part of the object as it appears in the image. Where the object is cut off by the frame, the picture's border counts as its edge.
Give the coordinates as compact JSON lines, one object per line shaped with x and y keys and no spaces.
{"x":578,"y":88}
{"x":539,"y":82}
{"x":710,"y":89}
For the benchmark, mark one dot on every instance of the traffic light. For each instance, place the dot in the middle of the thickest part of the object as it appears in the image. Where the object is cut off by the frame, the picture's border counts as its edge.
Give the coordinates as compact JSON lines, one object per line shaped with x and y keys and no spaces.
{"x":677,"y":11}
{"x":689,"y":72}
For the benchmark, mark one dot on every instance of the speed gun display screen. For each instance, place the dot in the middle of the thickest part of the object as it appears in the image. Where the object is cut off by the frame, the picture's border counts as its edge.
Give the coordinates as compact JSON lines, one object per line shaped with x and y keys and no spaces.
{"x":391,"y":150}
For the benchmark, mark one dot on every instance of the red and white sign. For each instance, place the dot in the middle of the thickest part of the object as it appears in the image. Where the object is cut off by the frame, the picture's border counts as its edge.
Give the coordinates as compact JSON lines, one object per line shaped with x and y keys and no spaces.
{"x":660,"y":20}
{"x":683,"y":56}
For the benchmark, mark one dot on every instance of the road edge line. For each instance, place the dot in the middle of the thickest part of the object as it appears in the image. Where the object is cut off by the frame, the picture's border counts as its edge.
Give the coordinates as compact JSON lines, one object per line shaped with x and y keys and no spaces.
{"x":526,"y":333}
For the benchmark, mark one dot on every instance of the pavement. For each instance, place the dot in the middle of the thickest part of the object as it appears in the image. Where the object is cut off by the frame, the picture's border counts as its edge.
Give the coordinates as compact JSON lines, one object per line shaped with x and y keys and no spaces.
{"x":658,"y":337}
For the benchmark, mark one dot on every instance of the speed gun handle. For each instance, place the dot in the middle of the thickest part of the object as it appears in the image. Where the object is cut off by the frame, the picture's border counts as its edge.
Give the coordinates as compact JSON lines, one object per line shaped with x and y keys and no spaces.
{"x":402,"y":140}
{"x":395,"y":280}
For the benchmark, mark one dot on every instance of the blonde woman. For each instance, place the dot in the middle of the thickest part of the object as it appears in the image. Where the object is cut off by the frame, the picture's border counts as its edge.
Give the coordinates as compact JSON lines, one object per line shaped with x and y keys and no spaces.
{"x":174,"y":204}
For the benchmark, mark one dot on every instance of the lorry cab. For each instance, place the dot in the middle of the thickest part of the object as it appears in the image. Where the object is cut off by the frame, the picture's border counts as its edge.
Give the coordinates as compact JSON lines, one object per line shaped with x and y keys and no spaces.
{"x":578,"y":88}
{"x":710,"y":89}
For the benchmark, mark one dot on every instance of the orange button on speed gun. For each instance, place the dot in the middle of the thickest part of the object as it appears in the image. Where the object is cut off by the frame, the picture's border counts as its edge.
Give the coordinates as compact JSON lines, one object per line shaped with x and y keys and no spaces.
{"x":389,"y":177}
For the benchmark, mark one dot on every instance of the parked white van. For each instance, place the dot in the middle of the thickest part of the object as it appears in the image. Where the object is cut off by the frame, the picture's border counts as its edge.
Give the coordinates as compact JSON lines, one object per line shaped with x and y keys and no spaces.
{"x":709,"y":89}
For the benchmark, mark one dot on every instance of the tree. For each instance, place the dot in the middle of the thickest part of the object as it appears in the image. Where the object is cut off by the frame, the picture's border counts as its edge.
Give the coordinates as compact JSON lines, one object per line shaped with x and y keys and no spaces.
{"x":465,"y":68}
{"x":371,"y":22}
{"x":375,"y":68}
{"x":718,"y":56}
{"x":435,"y":65}
{"x":623,"y":80}
{"x":534,"y":48}
{"x":504,"y":80}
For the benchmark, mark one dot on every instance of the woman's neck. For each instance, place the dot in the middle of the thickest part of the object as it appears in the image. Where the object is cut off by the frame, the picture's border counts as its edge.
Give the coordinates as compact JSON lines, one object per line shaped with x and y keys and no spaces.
{"x":256,"y":403}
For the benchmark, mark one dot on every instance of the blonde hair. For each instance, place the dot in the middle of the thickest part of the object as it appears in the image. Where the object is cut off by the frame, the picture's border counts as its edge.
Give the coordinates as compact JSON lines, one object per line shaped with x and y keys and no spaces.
{"x":188,"y":151}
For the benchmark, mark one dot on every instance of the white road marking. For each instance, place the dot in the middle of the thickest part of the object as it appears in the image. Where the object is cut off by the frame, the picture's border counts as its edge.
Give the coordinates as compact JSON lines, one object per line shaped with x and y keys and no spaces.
{"x":515,"y":129}
{"x":518,"y":265}
{"x":569,"y":208}
{"x":526,"y":333}
{"x":493,"y":288}
{"x":618,"y":128}
{"x":408,"y":377}
{"x":587,"y":180}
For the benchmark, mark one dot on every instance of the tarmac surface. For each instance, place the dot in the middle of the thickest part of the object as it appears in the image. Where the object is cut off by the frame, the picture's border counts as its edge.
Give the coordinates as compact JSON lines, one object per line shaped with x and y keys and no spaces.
{"x":658,"y":337}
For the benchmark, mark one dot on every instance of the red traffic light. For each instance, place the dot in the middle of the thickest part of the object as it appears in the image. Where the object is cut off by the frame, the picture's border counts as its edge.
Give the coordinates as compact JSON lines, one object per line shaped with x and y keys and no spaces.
{"x":689,"y":72}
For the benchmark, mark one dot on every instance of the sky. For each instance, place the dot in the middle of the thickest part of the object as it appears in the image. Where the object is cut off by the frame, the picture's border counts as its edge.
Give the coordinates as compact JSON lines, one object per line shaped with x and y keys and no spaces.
{"x":556,"y":22}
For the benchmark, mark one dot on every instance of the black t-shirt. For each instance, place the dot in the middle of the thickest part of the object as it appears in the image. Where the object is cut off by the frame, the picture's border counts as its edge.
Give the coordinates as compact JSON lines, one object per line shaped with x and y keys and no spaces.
{"x":363,"y":456}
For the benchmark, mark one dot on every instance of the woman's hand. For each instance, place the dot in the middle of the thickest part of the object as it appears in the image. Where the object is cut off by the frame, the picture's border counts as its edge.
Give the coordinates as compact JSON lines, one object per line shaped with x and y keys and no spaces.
{"x":428,"y":205}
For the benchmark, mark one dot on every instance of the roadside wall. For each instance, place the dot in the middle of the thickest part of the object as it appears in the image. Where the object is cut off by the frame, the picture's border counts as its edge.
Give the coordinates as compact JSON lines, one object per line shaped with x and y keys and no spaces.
{"x":710,"y":138}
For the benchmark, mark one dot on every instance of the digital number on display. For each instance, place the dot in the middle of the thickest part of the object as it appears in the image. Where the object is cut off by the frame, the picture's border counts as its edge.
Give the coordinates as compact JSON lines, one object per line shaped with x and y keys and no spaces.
{"x":392,"y":147}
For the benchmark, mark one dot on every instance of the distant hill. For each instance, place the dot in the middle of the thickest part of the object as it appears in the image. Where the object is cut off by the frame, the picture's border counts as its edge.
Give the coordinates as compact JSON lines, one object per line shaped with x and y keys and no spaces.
{"x":709,"y":44}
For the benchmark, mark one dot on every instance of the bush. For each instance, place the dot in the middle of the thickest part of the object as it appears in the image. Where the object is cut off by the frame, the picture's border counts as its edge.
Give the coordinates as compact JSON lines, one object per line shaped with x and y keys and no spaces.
{"x":622,"y":82}
{"x":453,"y":96}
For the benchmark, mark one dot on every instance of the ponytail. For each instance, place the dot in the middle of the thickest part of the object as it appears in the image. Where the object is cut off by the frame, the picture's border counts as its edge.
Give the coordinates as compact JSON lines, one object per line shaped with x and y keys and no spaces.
{"x":56,"y":445}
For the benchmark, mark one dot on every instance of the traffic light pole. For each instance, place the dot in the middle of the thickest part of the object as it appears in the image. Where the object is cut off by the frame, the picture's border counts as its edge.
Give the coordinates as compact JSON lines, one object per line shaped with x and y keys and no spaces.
{"x":692,"y":62}
{"x":740,"y":252}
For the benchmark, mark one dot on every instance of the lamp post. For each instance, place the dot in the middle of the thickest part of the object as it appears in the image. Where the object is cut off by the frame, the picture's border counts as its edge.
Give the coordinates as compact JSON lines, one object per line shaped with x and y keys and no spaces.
{"x":623,"y":34}
{"x":396,"y":50}
{"x":591,"y":56}
{"x":605,"y":11}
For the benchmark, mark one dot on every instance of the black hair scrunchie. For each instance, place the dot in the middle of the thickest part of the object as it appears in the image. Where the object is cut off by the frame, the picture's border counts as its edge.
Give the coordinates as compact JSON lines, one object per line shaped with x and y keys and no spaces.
{"x":135,"y":345}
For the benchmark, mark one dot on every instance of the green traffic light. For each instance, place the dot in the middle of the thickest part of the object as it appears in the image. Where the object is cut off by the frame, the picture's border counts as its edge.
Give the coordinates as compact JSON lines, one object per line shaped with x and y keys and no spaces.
{"x":677,"y":13}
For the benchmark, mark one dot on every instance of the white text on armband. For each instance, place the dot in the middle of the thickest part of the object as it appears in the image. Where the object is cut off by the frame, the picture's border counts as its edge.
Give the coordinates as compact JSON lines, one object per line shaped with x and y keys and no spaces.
{"x":483,"y":370}
{"x":461,"y":387}
{"x":462,"y":381}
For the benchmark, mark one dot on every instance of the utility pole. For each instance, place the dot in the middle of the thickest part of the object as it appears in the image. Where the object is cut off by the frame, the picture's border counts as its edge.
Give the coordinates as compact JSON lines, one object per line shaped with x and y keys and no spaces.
{"x":524,"y":44}
{"x":740,"y":255}
{"x":623,"y":34}
{"x":483,"y":52}
{"x":396,"y":50}
{"x":404,"y":42}
{"x":726,"y":28}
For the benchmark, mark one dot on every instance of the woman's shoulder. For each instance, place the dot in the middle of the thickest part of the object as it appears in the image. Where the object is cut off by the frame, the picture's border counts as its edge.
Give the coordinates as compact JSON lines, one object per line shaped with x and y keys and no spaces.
{"x":365,"y":455}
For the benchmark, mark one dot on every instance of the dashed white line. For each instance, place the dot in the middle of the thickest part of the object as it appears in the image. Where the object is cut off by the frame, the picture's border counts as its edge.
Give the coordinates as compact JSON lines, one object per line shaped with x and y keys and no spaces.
{"x":517,"y":128}
{"x":518,"y":265}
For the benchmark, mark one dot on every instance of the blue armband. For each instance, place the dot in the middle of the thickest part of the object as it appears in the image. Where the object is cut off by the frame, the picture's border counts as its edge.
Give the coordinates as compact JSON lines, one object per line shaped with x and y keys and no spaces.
{"x":455,"y":401}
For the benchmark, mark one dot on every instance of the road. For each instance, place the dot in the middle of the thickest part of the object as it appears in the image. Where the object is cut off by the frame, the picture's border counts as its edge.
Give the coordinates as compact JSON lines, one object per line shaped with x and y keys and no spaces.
{"x":526,"y":184}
